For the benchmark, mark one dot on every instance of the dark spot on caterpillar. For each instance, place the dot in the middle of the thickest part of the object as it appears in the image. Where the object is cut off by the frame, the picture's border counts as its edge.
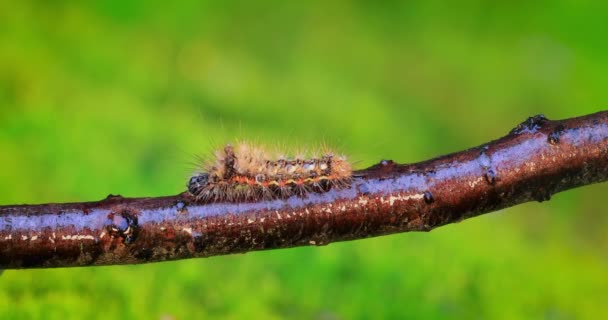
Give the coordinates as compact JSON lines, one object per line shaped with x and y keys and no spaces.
{"x":229,"y":161}
{"x":260,"y":178}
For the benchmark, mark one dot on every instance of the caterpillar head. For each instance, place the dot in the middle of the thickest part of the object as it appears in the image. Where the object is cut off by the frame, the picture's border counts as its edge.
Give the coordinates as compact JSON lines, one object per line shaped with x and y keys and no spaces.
{"x":197,"y":182}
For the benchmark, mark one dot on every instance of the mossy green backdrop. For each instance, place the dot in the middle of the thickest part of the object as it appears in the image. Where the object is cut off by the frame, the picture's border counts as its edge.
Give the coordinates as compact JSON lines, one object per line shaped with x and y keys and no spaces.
{"x":120,"y":96}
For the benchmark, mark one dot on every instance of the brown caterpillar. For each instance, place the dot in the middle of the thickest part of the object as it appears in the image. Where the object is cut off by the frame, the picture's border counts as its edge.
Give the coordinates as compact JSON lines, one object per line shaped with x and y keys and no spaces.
{"x":245,"y":173}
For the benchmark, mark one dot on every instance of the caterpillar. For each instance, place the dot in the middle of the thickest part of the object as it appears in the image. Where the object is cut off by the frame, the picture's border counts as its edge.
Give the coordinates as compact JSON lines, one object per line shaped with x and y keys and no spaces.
{"x":246,"y":173}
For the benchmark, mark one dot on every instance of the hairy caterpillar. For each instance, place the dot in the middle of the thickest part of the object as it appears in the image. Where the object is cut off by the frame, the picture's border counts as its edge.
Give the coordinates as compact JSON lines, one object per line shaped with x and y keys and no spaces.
{"x":246,"y":173}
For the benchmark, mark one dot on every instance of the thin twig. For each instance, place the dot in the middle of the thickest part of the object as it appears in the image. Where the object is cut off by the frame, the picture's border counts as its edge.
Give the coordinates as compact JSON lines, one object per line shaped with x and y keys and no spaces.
{"x":535,"y":160}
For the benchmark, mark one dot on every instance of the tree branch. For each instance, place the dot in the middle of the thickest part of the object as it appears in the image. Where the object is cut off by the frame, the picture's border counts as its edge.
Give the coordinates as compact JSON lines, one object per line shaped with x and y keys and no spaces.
{"x":535,"y":160}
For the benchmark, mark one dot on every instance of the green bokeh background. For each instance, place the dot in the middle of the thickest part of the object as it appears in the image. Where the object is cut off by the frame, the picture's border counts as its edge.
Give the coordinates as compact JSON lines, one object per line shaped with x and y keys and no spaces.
{"x":120,"y":96}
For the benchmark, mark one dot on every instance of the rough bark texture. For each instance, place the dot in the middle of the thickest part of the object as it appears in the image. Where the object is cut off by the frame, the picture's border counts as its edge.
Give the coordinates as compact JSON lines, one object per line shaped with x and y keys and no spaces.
{"x":535,"y":160}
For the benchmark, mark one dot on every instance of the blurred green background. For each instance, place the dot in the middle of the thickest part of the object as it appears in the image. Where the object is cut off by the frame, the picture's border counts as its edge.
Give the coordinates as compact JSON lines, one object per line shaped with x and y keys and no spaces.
{"x":120,"y":96}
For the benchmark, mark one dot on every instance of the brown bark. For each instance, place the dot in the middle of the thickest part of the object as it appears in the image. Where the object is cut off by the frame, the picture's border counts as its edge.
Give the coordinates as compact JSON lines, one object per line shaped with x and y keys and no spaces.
{"x":535,"y":160}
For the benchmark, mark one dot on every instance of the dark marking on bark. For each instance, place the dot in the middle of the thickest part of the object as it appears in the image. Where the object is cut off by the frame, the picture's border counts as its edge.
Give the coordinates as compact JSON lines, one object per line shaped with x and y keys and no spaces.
{"x":123,"y":224}
{"x":555,"y":135}
{"x":530,"y":125}
{"x":428,"y":197}
{"x":490,"y":176}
